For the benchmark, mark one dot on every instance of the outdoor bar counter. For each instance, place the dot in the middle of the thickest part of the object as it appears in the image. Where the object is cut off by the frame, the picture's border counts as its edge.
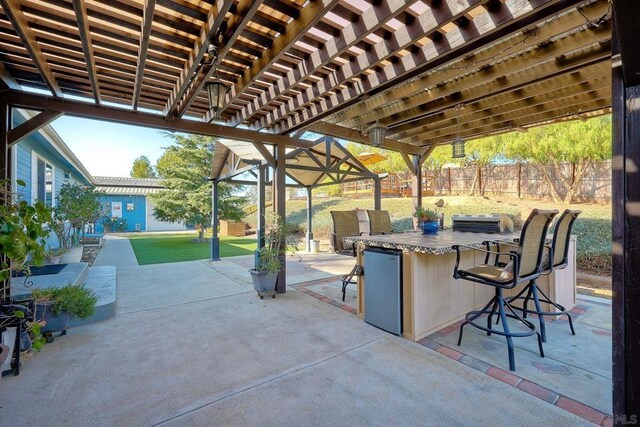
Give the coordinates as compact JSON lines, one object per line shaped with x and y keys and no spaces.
{"x":431,"y":298}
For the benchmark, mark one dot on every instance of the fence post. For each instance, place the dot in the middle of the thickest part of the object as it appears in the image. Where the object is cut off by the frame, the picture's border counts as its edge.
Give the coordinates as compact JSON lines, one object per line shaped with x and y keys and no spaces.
{"x":519,"y":179}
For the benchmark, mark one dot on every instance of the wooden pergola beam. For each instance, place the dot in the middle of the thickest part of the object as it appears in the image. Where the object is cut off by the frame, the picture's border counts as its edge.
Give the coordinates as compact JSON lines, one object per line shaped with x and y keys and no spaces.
{"x":593,"y":101}
{"x":458,"y":68}
{"x":20,"y":24}
{"x":32,"y":125}
{"x":215,"y":18}
{"x":297,"y":28}
{"x":502,"y":101}
{"x":513,"y":15}
{"x":355,"y":136}
{"x":145,"y":34}
{"x":371,"y":20}
{"x":80,"y":9}
{"x":245,"y":11}
{"x":26,"y":100}
{"x":6,"y":79}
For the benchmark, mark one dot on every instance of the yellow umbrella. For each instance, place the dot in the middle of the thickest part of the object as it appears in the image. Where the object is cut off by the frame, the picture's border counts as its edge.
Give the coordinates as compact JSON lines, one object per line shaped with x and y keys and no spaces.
{"x":368,"y":159}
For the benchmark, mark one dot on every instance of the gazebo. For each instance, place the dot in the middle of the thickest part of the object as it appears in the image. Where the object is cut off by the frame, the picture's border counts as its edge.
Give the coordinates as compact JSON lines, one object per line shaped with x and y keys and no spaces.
{"x":322,"y":162}
{"x":415,"y":74}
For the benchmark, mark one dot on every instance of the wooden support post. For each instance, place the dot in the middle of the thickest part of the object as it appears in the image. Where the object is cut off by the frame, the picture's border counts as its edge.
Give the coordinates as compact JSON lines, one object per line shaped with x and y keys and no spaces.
{"x":262,"y":178}
{"x":377,"y":194}
{"x":309,"y":236}
{"x":280,"y":207}
{"x":417,"y":167}
{"x":626,"y":250}
{"x":449,"y":179}
{"x":215,"y":240}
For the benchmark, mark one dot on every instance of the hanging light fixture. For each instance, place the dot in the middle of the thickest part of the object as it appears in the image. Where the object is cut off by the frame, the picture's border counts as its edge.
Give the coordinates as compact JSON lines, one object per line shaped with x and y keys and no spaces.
{"x":216,"y":89}
{"x":457,"y":148}
{"x":217,"y":92}
{"x":377,"y":132}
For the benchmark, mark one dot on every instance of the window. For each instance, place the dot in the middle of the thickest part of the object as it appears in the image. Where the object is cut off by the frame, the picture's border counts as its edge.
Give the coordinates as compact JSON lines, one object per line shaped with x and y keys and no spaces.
{"x":43,"y":184}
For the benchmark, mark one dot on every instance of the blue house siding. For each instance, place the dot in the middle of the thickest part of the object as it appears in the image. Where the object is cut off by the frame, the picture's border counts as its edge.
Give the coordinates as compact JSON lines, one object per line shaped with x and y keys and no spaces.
{"x":137,"y":216}
{"x":38,"y":144}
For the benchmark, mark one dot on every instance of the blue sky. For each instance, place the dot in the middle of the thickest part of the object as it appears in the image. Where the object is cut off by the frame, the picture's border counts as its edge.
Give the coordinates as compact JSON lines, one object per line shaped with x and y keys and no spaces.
{"x":109,"y":148}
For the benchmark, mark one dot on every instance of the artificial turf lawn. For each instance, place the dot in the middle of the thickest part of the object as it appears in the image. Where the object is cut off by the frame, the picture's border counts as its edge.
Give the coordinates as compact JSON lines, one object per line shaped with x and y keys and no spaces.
{"x":162,"y":248}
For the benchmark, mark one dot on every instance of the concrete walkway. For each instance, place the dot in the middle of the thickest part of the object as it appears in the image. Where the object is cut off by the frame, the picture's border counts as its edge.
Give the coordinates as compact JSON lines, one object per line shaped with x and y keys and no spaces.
{"x":193,"y":345}
{"x":116,"y":251}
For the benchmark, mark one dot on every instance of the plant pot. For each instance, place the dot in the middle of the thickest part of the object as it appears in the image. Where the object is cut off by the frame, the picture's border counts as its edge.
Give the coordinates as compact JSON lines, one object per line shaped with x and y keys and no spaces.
{"x":430,"y":227}
{"x":263,"y":281}
{"x":53,"y":322}
{"x":55,"y":259}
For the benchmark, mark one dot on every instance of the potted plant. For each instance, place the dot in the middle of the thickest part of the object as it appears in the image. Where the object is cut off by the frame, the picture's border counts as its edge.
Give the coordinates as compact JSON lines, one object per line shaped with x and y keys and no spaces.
{"x":429,"y":219}
{"x":22,"y":236}
{"x":277,"y":237}
{"x":55,"y":255}
{"x":55,"y":306}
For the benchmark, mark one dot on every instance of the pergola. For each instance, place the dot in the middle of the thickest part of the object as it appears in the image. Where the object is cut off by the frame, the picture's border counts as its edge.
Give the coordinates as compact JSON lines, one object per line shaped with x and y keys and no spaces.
{"x":429,"y":71}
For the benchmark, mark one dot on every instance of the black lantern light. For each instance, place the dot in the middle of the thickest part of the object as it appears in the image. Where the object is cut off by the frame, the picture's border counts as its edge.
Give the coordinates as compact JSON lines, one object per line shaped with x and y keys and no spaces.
{"x":217,"y":92}
{"x":457,"y":147}
{"x":457,"y":151}
{"x":377,"y":133}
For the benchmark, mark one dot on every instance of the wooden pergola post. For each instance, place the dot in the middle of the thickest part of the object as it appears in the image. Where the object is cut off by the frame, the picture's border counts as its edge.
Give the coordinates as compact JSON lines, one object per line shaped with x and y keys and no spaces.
{"x":309,"y":236}
{"x":262,"y":177}
{"x":417,"y":167}
{"x":215,"y":240}
{"x":377,"y":193}
{"x":626,"y":216}
{"x":279,"y":205}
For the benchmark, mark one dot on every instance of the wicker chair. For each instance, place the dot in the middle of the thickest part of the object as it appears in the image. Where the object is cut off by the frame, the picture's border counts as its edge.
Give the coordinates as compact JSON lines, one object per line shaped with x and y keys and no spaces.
{"x":525,"y":266}
{"x":555,"y":258}
{"x":379,"y":222}
{"x":345,"y":223}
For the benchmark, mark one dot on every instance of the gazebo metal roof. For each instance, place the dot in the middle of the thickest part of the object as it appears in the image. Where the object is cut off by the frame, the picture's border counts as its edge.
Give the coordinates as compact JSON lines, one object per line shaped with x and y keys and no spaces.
{"x":325,"y":162}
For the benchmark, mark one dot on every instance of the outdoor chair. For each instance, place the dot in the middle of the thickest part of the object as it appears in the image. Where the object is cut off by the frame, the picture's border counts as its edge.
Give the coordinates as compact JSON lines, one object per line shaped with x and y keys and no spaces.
{"x":554,"y":258}
{"x":379,"y":222}
{"x":10,"y":319}
{"x":525,"y":266}
{"x":345,"y":223}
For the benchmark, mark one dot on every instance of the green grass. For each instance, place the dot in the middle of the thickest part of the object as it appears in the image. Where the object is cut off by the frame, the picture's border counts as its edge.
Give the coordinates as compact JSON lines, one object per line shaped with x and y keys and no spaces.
{"x":162,"y":248}
{"x":593,"y":227}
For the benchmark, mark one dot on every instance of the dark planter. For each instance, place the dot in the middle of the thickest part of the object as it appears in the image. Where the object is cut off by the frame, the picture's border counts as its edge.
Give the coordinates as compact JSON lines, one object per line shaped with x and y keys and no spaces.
{"x":430,"y":227}
{"x":263,"y":281}
{"x":54,"y":323}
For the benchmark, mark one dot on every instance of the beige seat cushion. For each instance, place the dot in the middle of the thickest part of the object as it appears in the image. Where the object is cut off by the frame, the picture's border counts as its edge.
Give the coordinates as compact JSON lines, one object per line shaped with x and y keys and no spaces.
{"x":490,"y":272}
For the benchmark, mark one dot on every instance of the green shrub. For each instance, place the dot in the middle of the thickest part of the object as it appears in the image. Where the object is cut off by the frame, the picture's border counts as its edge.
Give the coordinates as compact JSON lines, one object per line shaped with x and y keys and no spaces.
{"x":76,"y":300}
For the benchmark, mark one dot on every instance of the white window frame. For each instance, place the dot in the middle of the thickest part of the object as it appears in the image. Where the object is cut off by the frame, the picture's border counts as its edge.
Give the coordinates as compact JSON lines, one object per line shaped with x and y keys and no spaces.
{"x":34,"y":178}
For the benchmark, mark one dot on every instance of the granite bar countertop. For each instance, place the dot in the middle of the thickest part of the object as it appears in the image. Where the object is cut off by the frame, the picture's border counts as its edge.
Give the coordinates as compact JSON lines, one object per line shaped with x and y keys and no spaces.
{"x":438,"y":244}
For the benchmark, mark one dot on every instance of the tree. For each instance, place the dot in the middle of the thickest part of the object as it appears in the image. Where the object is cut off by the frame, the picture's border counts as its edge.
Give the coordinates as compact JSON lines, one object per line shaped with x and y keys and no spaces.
{"x":77,"y":204}
{"x":142,"y":168}
{"x":481,"y":153}
{"x":184,"y":168}
{"x":546,"y":148}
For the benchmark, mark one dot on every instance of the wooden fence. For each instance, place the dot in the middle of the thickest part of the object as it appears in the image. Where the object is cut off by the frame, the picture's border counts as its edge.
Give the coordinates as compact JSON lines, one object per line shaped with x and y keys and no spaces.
{"x":524,"y":181}
{"x":517,"y":180}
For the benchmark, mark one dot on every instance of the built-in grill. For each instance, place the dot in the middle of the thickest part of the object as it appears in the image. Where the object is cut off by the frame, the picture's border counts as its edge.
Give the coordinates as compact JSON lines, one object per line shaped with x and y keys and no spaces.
{"x":482,"y":223}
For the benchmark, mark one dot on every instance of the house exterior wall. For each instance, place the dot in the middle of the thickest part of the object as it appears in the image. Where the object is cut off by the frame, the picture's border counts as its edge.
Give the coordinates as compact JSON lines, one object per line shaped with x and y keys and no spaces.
{"x":136,"y":216}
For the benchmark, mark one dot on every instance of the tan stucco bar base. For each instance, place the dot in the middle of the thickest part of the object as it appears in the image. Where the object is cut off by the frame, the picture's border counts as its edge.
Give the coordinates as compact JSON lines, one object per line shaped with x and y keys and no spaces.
{"x":432,"y":298}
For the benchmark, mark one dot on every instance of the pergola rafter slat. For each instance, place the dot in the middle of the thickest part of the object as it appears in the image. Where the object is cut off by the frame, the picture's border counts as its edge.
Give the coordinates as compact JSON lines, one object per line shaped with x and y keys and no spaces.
{"x":80,"y":9}
{"x":20,"y":25}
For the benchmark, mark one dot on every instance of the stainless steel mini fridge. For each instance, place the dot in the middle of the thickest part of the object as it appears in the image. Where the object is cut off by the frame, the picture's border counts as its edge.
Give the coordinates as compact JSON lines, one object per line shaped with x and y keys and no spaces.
{"x":383,"y":289}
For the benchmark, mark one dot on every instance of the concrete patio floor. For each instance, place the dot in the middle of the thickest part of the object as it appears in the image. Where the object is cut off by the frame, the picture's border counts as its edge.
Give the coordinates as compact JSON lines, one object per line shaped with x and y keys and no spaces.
{"x":192,"y":344}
